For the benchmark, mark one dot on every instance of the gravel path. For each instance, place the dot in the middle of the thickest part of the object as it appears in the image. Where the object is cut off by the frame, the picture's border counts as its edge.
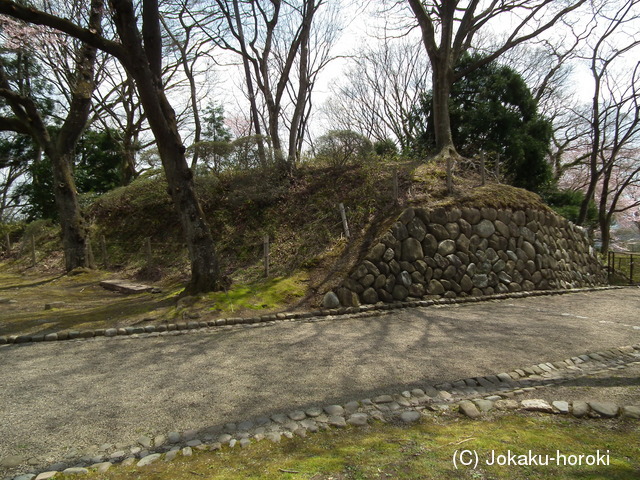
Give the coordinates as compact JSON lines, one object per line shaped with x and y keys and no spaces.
{"x":68,"y":395}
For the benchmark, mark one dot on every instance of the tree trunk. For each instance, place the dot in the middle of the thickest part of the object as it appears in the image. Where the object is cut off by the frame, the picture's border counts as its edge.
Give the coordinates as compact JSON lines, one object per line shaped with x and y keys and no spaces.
{"x":255,"y":117}
{"x":605,"y":232}
{"x":442,"y":80}
{"x":274,"y":135}
{"x":300,"y":102}
{"x":162,"y":119}
{"x":74,"y":229}
{"x":128,"y":165}
{"x":584,"y":206}
{"x":604,"y":216}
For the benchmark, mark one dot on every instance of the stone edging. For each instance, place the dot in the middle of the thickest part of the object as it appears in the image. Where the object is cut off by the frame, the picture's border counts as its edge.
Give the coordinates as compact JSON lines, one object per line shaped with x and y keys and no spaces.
{"x":363,"y":310}
{"x":472,"y":397}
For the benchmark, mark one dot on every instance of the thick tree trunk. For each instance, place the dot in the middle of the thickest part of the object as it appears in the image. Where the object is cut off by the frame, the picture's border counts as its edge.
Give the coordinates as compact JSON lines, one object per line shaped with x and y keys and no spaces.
{"x":204,"y":264}
{"x":274,"y":134}
{"x":128,"y":167}
{"x":74,"y":229}
{"x":442,"y":80}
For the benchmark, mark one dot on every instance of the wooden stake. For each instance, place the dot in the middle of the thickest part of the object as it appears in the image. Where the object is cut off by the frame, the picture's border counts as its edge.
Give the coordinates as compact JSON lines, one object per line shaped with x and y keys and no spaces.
{"x":497,"y":168}
{"x":8,"y":241}
{"x":449,"y":175}
{"x":483,"y":173}
{"x":91,"y":261}
{"x":148,"y":248}
{"x":265,"y":243}
{"x":395,"y":187}
{"x":103,"y":247}
{"x":33,"y":251}
{"x":345,"y":225}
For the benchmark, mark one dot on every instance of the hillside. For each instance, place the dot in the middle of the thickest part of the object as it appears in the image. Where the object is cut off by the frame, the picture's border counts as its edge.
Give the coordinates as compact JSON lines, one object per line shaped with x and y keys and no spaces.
{"x":309,"y":253}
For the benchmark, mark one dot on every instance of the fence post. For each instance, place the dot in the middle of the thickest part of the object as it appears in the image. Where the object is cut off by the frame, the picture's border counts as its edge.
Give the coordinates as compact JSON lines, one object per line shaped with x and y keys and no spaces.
{"x":91,"y":259}
{"x":395,"y":187}
{"x":33,"y":250}
{"x":265,"y":244}
{"x":8,"y":240}
{"x":148,"y":249}
{"x":345,"y":225}
{"x":449,"y":175}
{"x":103,"y":247}
{"x":483,"y":173}
{"x":498,"y":168}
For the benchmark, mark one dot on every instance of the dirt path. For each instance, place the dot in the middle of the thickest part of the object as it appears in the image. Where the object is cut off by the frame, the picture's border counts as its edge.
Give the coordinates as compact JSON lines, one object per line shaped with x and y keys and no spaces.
{"x":70,"y":395}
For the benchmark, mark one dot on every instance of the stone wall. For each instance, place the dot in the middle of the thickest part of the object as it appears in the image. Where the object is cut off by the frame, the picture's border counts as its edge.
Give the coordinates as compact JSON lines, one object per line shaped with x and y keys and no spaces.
{"x":458,"y":252}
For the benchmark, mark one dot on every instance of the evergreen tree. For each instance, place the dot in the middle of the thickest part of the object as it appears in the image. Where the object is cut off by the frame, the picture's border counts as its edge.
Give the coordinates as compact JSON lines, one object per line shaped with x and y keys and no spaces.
{"x":493,"y":111}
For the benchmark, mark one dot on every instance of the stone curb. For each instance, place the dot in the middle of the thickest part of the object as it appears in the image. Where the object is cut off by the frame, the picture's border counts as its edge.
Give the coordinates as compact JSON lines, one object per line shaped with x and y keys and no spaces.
{"x":476,"y":408}
{"x":364,"y":310}
{"x":472,"y":397}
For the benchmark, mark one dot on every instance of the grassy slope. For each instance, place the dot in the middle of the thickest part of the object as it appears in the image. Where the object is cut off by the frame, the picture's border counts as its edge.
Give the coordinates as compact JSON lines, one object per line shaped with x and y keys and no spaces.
{"x":308,"y":250}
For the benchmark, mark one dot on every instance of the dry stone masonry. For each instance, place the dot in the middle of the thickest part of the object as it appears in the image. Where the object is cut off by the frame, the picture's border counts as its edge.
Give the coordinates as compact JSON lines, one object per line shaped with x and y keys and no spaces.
{"x":460,"y":252}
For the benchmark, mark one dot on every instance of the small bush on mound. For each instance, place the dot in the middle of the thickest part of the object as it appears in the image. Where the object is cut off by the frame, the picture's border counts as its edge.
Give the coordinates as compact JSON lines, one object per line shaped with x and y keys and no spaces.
{"x":385,"y":148}
{"x":339,"y":148}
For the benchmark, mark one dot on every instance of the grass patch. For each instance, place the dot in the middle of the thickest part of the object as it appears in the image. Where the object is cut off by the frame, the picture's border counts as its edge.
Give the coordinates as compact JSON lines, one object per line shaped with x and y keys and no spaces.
{"x":84,"y":304}
{"x":259,"y":295}
{"x":424,"y":451}
{"x":81,"y":304}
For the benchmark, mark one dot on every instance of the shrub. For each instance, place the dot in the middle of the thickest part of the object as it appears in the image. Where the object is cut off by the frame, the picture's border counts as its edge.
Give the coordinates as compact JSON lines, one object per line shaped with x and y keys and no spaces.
{"x":567,"y":203}
{"x":385,"y":147}
{"x":338,"y":148}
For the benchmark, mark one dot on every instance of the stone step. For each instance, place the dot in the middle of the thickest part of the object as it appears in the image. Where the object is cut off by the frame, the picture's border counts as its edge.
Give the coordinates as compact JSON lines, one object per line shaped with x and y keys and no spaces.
{"x":127,"y":287}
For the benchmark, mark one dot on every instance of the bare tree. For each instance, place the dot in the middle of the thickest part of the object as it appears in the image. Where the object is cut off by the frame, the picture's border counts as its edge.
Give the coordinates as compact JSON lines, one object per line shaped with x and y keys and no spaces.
{"x":604,"y":52}
{"x":382,"y":85}
{"x":117,"y":108}
{"x":140,"y":52}
{"x":617,"y":130}
{"x":315,"y":55}
{"x":191,"y":50}
{"x":449,"y":28}
{"x":272,"y":38}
